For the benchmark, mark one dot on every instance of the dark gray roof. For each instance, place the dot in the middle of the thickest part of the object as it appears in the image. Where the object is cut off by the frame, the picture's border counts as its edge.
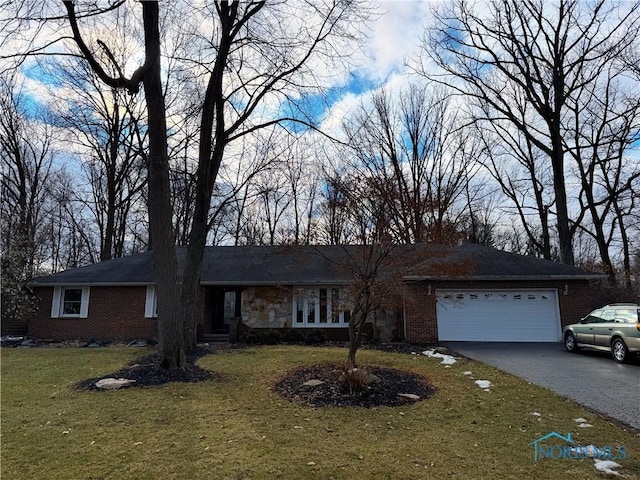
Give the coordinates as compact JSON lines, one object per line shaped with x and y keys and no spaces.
{"x":470,"y":261}
{"x":265,"y":265}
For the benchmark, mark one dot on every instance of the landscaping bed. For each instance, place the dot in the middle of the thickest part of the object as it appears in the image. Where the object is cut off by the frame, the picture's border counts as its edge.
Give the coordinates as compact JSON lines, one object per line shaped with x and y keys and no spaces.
{"x":477,"y":423}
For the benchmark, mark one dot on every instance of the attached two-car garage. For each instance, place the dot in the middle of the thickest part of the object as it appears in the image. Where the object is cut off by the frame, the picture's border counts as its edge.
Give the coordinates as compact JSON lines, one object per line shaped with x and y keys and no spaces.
{"x":498,"y":315}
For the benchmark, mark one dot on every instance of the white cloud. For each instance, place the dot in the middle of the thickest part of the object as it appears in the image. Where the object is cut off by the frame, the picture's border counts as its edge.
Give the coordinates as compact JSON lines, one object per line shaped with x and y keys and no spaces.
{"x":394,"y":38}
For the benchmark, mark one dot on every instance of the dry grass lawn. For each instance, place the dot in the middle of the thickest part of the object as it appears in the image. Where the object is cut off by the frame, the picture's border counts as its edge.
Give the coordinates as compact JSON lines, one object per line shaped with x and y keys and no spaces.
{"x":236,"y":428}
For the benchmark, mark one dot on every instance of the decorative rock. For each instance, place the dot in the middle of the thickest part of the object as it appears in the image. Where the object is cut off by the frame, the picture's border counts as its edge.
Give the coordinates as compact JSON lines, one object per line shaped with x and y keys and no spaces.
{"x":409,"y":396}
{"x":137,"y":343}
{"x":373,"y":379}
{"x":93,"y":345}
{"x":313,"y":383}
{"x":11,"y":341}
{"x":113,"y":383}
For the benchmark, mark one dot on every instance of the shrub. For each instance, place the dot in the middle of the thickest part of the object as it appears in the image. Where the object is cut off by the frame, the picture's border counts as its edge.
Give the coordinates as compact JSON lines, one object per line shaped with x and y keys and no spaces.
{"x":260,"y":336}
{"x":354,"y":381}
{"x":314,"y":337}
{"x":292,"y":335}
{"x":271,"y":337}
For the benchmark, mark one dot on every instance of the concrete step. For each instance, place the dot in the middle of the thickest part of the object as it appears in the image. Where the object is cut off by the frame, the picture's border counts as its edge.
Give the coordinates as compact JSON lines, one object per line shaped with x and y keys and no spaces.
{"x":215,"y":338}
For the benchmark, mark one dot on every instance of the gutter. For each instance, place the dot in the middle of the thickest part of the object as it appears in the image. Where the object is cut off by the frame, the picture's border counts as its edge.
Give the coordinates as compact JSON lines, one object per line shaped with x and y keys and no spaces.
{"x":421,"y":278}
{"x":262,"y":283}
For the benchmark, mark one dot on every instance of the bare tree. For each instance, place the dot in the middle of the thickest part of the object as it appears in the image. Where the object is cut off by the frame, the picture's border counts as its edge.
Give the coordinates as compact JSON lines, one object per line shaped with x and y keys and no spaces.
{"x":376,"y":270}
{"x":26,"y":153}
{"x":520,"y":171}
{"x":277,"y":63}
{"x":102,"y":123}
{"x":248,"y":55}
{"x":334,"y":228}
{"x":607,"y":127}
{"x":522,"y":62}
{"x":416,"y":159}
{"x":70,"y":230}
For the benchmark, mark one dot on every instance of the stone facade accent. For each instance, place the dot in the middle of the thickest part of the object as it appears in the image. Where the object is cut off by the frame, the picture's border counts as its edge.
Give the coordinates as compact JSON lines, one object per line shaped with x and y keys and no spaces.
{"x":267,"y":307}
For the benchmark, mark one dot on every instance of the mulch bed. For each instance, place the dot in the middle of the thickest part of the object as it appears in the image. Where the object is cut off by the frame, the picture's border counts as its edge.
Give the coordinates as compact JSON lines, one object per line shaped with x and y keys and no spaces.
{"x":385,"y":393}
{"x":146,"y":373}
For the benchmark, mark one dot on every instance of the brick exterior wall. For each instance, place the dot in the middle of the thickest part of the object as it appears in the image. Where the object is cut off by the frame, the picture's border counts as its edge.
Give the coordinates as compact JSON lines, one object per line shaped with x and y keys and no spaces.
{"x":420,"y":306}
{"x":115,"y":314}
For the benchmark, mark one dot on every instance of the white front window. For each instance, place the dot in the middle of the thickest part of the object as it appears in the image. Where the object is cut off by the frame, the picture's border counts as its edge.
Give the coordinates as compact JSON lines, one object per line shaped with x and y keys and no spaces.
{"x":70,"y":302}
{"x":320,"y":307}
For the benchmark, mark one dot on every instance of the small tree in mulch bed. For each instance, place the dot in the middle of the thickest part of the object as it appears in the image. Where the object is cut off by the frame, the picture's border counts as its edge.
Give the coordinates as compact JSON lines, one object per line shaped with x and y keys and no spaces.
{"x":384,"y":391}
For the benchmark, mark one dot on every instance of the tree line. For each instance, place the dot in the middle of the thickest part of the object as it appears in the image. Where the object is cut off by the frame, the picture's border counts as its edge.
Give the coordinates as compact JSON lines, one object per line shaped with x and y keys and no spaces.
{"x":181,"y":125}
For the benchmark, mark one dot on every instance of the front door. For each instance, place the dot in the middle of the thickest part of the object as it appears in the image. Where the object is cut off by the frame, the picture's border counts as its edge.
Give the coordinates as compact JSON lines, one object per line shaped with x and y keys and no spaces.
{"x":226,"y":305}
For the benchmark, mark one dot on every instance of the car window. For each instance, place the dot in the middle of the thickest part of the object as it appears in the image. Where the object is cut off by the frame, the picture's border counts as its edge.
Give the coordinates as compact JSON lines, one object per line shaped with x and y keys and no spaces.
{"x":594,"y":317}
{"x":608,"y":315}
{"x":627,"y":315}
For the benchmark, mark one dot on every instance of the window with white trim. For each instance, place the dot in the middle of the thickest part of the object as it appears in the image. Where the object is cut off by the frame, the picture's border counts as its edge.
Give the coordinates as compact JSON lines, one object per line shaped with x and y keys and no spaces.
{"x":151,"y":303}
{"x":70,"y":302}
{"x":322,"y":307}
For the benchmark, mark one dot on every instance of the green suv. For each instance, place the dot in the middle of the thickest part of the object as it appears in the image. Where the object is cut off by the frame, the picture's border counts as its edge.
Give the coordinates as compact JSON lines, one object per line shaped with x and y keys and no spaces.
{"x":614,"y":328}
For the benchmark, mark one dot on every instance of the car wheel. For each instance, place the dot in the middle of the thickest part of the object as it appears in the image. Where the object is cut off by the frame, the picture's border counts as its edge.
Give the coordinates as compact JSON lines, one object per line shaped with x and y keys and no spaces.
{"x":619,"y":350}
{"x":570,"y":342}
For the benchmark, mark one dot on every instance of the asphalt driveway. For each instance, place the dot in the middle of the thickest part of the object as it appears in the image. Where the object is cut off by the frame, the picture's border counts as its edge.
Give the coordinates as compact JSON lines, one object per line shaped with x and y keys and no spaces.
{"x":591,"y":378}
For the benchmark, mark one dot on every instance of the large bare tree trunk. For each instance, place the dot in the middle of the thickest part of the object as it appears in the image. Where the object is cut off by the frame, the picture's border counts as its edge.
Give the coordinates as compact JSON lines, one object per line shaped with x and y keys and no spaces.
{"x":209,"y":160}
{"x":170,"y":344}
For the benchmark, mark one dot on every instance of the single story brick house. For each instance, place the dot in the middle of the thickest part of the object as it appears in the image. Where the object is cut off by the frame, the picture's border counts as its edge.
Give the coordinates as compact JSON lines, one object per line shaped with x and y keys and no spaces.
{"x":449,"y":293}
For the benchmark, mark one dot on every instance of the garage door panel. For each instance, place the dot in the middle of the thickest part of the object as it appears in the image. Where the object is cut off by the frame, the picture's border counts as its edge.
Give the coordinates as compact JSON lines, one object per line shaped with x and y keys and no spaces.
{"x":510,"y":316}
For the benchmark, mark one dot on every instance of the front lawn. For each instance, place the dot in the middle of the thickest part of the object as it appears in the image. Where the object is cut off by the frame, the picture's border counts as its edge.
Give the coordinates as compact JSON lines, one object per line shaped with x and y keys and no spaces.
{"x":236,"y":427}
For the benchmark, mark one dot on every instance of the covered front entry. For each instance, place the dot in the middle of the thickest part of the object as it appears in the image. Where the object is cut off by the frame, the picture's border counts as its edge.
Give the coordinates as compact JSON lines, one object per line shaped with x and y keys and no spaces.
{"x":221,"y":305}
{"x":498,"y":315}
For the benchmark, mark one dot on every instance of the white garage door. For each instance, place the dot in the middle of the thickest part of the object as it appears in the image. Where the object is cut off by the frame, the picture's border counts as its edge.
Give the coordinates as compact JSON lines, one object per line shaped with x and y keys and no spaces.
{"x":498,"y":315}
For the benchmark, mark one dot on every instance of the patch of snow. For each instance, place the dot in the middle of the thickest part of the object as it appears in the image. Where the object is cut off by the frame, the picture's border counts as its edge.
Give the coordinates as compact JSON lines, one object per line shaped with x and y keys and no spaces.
{"x":606,"y":466}
{"x":446,"y":359}
{"x":484,"y":384}
{"x":535,"y":414}
{"x":468,"y":372}
{"x":582,"y":422}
